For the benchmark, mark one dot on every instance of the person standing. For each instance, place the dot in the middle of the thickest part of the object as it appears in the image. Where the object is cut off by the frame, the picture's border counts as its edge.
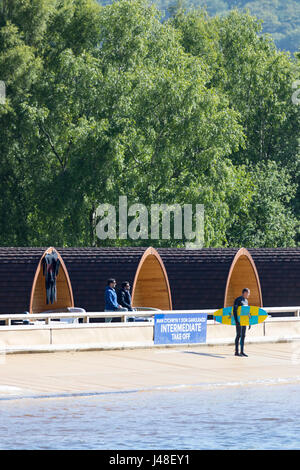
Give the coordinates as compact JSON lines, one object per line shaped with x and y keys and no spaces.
{"x":111,"y":301}
{"x":240,"y":330}
{"x":124,"y":297}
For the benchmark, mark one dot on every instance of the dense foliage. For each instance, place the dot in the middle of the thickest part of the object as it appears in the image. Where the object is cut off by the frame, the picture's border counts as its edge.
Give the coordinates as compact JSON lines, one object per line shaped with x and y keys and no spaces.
{"x":104,"y":101}
{"x":281,"y":18}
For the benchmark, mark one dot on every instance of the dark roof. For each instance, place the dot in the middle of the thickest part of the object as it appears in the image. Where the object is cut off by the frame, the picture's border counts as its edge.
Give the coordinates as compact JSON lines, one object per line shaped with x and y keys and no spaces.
{"x":279,"y":272}
{"x":197,"y":277}
{"x":89,"y":269}
{"x":17,"y":270}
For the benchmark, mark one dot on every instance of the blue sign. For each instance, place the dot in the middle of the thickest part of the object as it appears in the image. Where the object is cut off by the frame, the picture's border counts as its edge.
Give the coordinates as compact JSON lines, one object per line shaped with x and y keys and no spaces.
{"x":179,"y":328}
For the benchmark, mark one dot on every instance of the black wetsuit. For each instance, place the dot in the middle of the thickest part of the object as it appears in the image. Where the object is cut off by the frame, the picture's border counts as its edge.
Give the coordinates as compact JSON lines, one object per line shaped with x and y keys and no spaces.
{"x":240,"y":330}
{"x":51,"y":265}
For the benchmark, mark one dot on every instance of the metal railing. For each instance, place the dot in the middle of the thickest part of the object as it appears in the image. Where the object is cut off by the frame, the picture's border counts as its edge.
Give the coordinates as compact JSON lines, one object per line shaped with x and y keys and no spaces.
{"x":146,"y":312}
{"x":84,"y":316}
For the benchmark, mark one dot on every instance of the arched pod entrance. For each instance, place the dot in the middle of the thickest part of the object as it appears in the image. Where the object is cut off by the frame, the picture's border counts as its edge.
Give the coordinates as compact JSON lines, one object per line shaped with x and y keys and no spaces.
{"x":151,"y":285}
{"x":63,"y":287}
{"x":243,"y":273}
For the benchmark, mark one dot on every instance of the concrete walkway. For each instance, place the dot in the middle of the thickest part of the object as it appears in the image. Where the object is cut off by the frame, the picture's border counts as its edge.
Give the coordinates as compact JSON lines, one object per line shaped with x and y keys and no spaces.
{"x":60,"y":373}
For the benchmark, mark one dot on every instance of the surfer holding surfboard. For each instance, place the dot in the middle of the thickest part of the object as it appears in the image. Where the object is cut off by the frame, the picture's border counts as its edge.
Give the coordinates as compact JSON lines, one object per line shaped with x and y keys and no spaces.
{"x":241,"y":315}
{"x":240,"y":329}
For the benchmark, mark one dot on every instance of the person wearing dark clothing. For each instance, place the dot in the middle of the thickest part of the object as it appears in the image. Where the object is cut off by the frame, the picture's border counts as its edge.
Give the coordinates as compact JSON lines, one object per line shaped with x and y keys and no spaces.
{"x":240,"y":330}
{"x":124,"y":297}
{"x":50,"y":265}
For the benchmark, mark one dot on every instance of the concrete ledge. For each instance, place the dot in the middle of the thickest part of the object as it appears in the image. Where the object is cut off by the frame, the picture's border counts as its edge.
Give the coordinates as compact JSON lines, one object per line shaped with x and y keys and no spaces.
{"x":29,"y":338}
{"x":280,"y":328}
{"x":80,"y":326}
{"x":137,"y":345}
{"x":216,"y":331}
{"x":109,"y":336}
{"x":116,"y":334}
{"x":76,"y":347}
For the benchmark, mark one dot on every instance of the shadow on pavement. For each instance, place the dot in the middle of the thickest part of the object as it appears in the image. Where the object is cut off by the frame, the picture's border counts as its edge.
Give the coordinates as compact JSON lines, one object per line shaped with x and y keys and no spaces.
{"x":204,"y":354}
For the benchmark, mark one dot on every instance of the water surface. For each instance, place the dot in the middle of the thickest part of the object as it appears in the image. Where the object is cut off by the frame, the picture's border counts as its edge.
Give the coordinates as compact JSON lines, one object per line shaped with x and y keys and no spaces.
{"x":248,"y":417}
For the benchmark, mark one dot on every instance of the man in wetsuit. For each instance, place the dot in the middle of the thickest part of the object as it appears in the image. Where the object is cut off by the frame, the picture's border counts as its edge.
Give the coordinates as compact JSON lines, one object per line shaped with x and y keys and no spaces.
{"x":240,"y":330}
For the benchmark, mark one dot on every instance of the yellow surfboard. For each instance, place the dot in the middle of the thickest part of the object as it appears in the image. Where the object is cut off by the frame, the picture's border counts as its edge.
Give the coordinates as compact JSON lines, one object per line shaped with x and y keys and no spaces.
{"x":247,"y":315}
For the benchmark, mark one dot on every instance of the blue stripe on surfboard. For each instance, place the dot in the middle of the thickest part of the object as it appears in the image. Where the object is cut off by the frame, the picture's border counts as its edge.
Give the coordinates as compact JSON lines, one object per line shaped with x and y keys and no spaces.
{"x":227,"y":310}
{"x":246,"y":309}
{"x":262,"y":312}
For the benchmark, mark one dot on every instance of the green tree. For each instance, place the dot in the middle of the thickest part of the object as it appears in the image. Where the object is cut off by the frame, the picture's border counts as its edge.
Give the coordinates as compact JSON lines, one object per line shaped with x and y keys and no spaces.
{"x":19,"y":69}
{"x":108,"y":101}
{"x":268,"y":220}
{"x":257,"y":80}
{"x":281,"y":18}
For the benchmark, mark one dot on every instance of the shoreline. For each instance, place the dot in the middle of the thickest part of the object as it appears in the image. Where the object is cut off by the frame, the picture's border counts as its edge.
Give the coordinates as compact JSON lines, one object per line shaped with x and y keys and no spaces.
{"x":94,"y":373}
{"x":172,"y":388}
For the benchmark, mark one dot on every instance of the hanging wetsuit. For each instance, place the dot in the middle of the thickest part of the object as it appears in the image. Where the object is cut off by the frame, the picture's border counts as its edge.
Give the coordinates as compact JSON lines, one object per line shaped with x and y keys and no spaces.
{"x":51,"y":265}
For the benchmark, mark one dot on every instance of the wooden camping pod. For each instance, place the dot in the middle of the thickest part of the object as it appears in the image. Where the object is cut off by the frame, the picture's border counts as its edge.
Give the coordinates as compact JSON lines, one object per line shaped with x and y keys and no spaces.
{"x":151,"y":285}
{"x":63,"y":287}
{"x":243,"y":273}
{"x":90,"y":268}
{"x":205,"y":278}
{"x":210,"y":277}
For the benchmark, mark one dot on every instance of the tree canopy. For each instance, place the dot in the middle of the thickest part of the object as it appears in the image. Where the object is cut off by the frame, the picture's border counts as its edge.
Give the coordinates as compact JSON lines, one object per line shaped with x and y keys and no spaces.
{"x":281,"y":18}
{"x":110,"y":100}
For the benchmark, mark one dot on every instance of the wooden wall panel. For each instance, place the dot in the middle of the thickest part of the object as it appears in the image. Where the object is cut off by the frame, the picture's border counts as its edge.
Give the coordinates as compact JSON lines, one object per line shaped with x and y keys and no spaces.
{"x":241,"y":275}
{"x":63,"y":289}
{"x":151,"y":286}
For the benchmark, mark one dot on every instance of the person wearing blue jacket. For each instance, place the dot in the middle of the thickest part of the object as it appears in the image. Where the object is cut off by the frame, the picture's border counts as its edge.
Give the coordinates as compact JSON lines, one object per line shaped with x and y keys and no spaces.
{"x":111,"y":301}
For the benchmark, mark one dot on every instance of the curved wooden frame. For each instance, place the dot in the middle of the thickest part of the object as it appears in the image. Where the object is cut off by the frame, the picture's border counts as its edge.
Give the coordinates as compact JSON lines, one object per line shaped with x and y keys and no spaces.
{"x":243,"y":253}
{"x":151,"y":252}
{"x":36,"y":277}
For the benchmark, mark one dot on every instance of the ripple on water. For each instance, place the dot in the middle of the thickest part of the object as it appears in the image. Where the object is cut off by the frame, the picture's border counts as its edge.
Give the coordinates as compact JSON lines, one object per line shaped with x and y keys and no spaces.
{"x":191,"y":418}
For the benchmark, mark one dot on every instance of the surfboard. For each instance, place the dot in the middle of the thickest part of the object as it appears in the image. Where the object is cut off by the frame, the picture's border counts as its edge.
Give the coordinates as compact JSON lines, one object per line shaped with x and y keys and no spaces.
{"x":247,"y":315}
